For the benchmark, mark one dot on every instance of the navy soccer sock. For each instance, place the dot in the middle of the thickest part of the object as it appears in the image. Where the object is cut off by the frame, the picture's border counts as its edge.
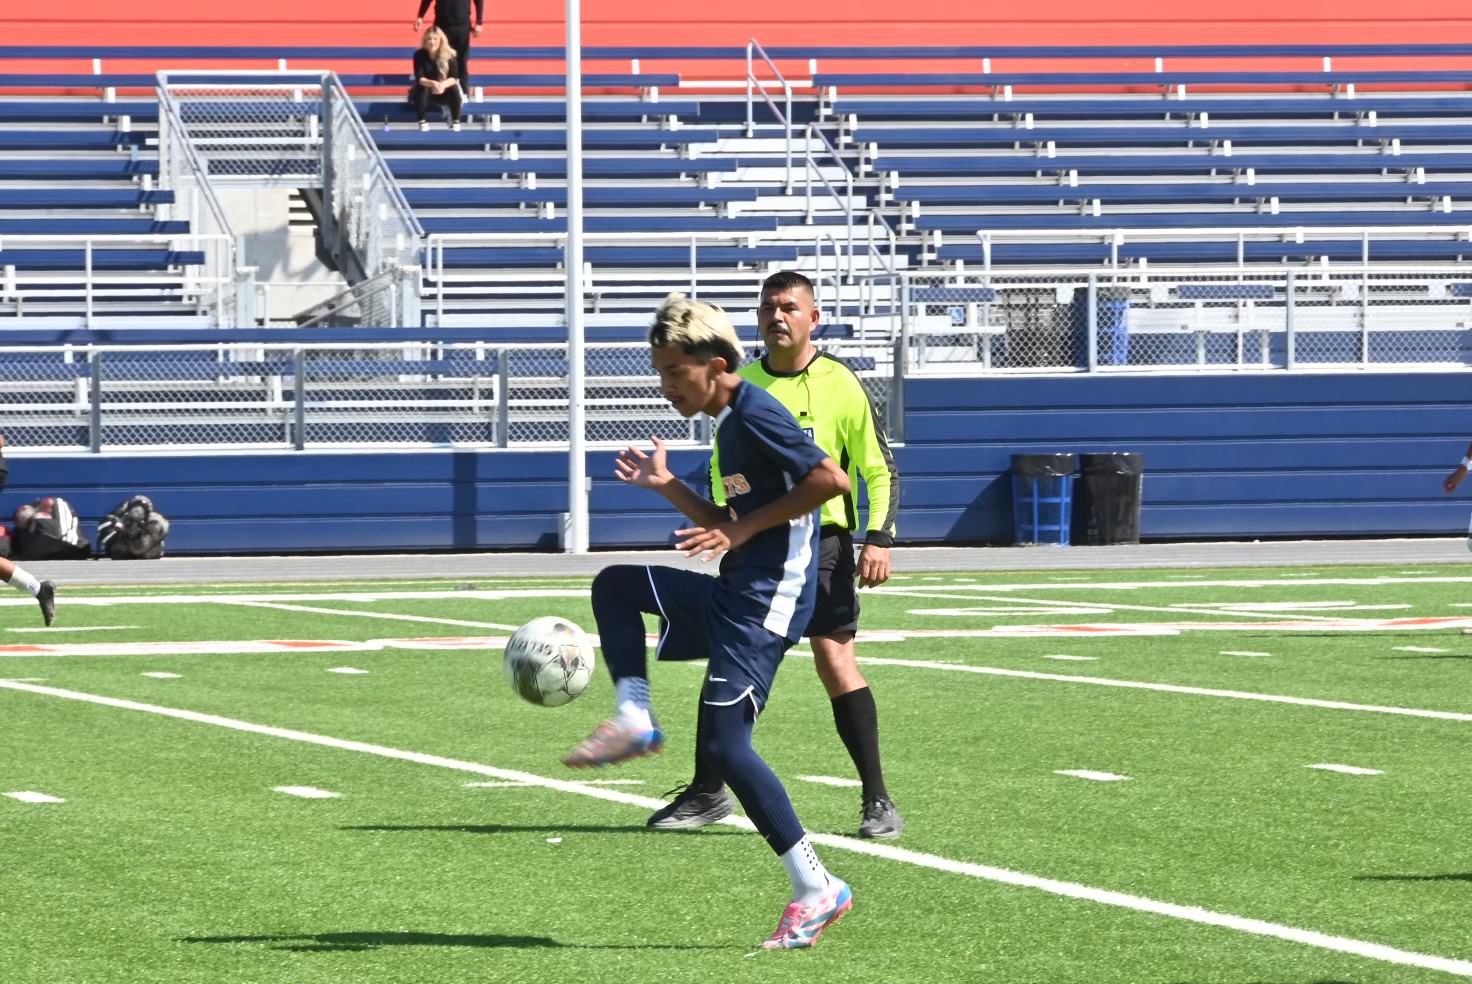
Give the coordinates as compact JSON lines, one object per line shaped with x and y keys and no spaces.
{"x":726,"y":743}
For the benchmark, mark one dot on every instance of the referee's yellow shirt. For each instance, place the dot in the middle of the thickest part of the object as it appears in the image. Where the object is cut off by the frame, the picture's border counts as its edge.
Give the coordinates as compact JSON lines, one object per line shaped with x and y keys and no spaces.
{"x":831,"y":405}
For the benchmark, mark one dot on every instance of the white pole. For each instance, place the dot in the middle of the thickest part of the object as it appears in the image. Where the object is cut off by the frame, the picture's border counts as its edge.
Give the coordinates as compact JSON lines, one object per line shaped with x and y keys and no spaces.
{"x":577,"y":479}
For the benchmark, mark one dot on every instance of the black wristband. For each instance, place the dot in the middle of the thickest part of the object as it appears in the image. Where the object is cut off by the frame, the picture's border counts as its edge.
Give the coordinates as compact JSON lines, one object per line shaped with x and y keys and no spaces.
{"x":878,"y":538}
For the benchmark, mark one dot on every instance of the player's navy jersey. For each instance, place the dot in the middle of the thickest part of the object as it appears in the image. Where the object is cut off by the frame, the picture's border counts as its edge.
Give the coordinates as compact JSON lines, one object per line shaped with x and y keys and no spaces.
{"x":762,"y":453}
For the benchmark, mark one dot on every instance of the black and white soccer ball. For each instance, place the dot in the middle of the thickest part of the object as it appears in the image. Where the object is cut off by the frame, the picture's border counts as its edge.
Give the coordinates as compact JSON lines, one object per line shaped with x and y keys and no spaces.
{"x":549,"y":661}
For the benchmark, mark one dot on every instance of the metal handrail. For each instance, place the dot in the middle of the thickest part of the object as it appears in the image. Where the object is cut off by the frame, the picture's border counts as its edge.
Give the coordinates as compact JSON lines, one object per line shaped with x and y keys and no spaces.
{"x":383,"y":281}
{"x":754,"y":47}
{"x":332,"y":84}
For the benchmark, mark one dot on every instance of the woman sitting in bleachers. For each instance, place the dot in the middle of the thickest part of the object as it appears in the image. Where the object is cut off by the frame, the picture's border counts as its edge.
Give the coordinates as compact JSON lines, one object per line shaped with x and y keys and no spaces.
{"x":436,"y":79}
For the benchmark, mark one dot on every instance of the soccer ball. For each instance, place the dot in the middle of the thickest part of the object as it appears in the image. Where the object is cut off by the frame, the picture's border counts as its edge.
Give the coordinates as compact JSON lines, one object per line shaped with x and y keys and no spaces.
{"x":549,"y":661}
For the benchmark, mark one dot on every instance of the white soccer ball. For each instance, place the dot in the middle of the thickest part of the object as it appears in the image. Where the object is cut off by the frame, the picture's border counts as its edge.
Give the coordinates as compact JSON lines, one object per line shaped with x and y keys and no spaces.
{"x":549,"y":661}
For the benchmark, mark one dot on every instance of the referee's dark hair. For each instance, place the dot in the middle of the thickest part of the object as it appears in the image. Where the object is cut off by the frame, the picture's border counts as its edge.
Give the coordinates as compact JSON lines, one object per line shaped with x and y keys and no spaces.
{"x":784,"y":280}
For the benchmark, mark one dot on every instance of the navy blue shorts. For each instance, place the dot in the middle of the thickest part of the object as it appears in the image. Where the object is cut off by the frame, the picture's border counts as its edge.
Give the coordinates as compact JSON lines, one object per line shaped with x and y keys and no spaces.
{"x":698,"y":622}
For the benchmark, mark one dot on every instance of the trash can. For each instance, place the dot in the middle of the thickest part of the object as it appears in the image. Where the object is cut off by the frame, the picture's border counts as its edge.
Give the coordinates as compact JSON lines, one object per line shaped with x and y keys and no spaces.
{"x":1111,"y":324}
{"x":1042,"y":498}
{"x":1107,"y":509}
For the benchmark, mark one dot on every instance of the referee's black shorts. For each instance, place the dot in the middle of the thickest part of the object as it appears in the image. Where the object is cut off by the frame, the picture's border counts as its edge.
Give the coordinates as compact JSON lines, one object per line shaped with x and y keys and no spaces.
{"x":837,"y":609}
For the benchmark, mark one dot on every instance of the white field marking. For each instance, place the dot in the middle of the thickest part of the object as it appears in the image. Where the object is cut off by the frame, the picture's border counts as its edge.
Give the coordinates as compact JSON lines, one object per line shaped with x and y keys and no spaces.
{"x":1169,"y":688}
{"x":163,"y":675}
{"x":1415,"y":572}
{"x":28,"y":679}
{"x":1194,"y":914}
{"x":246,"y":647}
{"x":306,"y":792}
{"x":1243,"y":652}
{"x":108,"y":601}
{"x":831,"y":781}
{"x":1091,"y":774}
{"x":1068,"y":579}
{"x":1075,"y":659}
{"x":387,"y":616}
{"x":30,"y":796}
{"x":1273,"y":583}
{"x":347,"y":670}
{"x":529,"y":785}
{"x":1349,"y":770}
{"x":73,"y":628}
{"x":554,"y":840}
{"x":1418,"y":649}
{"x":1112,"y":605}
{"x":971,"y":611}
{"x":1291,"y":606}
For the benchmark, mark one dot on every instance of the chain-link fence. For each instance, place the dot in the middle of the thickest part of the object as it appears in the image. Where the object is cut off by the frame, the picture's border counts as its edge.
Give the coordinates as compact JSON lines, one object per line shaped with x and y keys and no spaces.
{"x":1186,"y":320}
{"x":340,"y":394}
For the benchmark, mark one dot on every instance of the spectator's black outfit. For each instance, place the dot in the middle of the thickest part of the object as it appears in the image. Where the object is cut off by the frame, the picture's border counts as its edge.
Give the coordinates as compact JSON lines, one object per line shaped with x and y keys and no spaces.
{"x":453,"y":17}
{"x":423,"y":97}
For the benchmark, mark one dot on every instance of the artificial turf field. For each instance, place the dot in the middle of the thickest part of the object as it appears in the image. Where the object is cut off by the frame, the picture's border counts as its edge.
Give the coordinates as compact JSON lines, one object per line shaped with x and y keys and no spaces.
{"x":1202,"y":841}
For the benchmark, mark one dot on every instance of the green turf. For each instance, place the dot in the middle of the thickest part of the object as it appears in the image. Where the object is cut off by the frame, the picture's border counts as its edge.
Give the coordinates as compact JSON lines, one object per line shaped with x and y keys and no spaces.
{"x":173,"y":861}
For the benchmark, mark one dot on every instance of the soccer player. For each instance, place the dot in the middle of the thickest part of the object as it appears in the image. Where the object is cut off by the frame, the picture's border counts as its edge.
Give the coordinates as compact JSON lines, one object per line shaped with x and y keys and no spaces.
{"x":829,"y":403}
{"x":743,"y":621}
{"x":43,"y":591}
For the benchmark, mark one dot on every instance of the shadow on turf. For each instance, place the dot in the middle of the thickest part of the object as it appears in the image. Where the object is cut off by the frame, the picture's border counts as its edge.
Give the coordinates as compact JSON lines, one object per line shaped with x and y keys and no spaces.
{"x":508,"y":828}
{"x":1465,"y":876}
{"x":359,"y":942}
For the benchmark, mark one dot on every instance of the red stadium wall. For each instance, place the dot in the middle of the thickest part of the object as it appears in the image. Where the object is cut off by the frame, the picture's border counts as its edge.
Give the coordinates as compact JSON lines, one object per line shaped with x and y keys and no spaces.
{"x":773,"y":22}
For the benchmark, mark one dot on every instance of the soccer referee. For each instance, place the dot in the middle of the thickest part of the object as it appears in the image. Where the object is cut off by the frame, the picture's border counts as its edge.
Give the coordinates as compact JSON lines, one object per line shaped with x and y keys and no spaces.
{"x":831,"y":405}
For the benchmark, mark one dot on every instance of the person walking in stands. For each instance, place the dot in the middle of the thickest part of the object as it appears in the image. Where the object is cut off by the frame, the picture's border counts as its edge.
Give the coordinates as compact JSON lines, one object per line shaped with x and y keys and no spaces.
{"x":453,"y":17}
{"x":741,"y":622}
{"x":12,"y":574}
{"x":830,"y":404}
{"x":435,"y":81}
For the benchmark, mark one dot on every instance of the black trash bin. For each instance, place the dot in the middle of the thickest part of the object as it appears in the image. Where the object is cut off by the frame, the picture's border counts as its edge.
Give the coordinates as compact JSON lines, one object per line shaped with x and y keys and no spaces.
{"x":1042,"y":498}
{"x":1107,"y":504}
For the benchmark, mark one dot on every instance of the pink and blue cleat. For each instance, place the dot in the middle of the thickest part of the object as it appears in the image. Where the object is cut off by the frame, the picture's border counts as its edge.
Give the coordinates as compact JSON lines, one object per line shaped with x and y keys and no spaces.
{"x":801,"y":925}
{"x":612,"y":742}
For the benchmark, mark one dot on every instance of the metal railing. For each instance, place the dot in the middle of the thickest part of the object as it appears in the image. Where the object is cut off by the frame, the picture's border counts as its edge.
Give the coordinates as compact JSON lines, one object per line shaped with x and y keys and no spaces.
{"x":339,"y":393}
{"x":1186,"y":320}
{"x":784,"y":115}
{"x":301,"y":130}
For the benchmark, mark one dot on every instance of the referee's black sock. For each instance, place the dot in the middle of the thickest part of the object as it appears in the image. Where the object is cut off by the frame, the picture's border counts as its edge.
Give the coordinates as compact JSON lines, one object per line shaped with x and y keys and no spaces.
{"x":858,"y":725}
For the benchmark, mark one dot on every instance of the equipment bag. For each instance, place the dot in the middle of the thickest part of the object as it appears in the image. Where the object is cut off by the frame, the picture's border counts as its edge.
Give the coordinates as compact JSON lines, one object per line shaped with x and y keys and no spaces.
{"x":47,"y":529}
{"x":133,"y":531}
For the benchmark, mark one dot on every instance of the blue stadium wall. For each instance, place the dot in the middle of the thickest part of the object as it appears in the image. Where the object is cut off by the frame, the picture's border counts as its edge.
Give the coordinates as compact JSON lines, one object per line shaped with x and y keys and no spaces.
{"x":1225,"y":457}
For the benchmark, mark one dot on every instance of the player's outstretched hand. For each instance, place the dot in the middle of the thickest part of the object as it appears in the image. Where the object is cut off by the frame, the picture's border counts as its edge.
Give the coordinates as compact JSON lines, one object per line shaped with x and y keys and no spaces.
{"x":648,"y":471}
{"x":711,"y":542}
{"x":873,"y":566}
{"x":1454,"y":479}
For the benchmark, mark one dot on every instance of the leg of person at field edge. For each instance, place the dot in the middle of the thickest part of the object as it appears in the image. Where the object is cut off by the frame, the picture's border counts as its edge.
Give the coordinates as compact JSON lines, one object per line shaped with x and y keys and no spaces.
{"x":459,"y":38}
{"x":420,"y":98}
{"x":454,"y":100}
{"x":43,"y":591}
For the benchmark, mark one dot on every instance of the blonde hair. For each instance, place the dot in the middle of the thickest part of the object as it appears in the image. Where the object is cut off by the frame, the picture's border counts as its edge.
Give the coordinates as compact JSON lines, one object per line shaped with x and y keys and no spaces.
{"x":442,"y":54}
{"x":700,"y":329}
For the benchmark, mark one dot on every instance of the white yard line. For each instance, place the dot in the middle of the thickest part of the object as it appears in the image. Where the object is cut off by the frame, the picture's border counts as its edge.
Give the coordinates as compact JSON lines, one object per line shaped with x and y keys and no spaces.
{"x":31,"y":796}
{"x":109,"y":601}
{"x":1194,"y":914}
{"x":1117,"y":606}
{"x":1071,"y":659}
{"x":1169,"y":688}
{"x":1349,"y":770}
{"x":1418,"y":649}
{"x":831,"y":781}
{"x":347,"y":670}
{"x":1243,"y":652}
{"x":306,"y":792}
{"x":1091,"y":774}
{"x":387,"y":616}
{"x":162,"y":675}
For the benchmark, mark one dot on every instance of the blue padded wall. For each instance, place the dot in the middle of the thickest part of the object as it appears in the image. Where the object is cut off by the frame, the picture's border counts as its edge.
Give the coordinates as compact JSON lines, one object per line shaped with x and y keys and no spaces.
{"x":1226,"y":456}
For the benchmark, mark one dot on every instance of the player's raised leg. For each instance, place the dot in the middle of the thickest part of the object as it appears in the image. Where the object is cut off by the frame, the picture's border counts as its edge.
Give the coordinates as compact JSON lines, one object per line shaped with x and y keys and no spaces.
{"x":43,"y":591}
{"x":620,"y":595}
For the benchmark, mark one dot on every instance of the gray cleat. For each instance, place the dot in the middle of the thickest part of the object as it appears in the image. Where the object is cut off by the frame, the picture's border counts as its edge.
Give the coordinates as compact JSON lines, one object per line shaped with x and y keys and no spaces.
{"x":881,"y":819}
{"x":46,"y":598}
{"x":694,"y":807}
